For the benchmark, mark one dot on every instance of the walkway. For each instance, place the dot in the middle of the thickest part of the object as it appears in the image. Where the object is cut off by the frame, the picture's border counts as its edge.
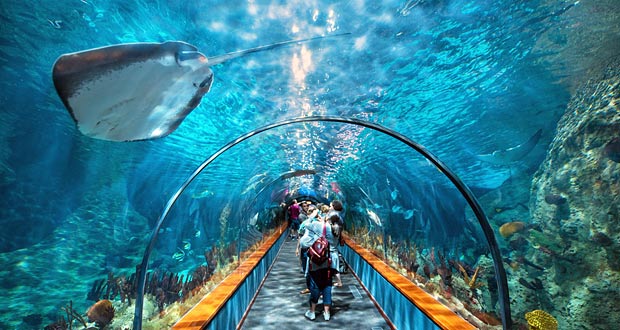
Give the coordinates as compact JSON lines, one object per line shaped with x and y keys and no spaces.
{"x":280,"y":306}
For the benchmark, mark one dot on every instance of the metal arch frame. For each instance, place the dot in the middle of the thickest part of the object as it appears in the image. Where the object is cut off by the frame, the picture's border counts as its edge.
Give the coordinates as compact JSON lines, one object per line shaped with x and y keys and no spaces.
{"x":500,"y":272}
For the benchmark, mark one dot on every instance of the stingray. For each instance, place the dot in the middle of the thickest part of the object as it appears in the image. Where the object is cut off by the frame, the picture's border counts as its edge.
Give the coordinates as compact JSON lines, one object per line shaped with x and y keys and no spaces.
{"x":507,"y":156}
{"x":292,"y":174}
{"x":138,"y":91}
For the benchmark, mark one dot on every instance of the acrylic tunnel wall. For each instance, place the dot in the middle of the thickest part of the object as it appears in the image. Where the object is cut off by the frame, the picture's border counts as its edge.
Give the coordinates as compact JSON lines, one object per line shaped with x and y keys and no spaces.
{"x":413,"y":217}
{"x":520,"y":99}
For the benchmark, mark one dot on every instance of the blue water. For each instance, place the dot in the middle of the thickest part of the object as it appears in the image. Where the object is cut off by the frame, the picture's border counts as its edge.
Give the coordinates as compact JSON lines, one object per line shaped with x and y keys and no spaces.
{"x":461,"y":78}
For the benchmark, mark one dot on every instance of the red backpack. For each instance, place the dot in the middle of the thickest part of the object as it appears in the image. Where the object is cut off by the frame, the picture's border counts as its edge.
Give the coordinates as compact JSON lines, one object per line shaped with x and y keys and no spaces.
{"x":319,"y":251}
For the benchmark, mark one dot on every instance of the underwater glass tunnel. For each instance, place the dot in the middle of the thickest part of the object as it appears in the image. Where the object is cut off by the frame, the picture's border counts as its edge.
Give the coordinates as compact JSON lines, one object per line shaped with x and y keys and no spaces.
{"x":475,"y":147}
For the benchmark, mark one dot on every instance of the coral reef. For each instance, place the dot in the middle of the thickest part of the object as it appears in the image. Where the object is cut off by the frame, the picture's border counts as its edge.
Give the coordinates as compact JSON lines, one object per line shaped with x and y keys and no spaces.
{"x":72,"y":316}
{"x":167,"y":295}
{"x":555,"y":199}
{"x":612,"y":150}
{"x":469,"y":295}
{"x":471,"y":282}
{"x":578,"y":241}
{"x":58,"y":325}
{"x":166,"y":287}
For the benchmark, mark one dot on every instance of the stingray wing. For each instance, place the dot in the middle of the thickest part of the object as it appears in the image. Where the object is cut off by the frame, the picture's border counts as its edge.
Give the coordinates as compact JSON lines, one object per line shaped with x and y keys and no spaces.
{"x":507,"y":156}
{"x":132,"y":92}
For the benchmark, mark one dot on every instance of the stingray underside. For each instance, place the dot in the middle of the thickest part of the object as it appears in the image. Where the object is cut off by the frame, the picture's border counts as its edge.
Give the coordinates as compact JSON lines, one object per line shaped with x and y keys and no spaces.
{"x":132,"y":92}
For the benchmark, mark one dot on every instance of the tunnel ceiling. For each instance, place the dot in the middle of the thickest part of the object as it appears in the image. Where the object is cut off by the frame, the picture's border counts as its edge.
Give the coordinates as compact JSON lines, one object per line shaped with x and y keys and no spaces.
{"x":454,"y":78}
{"x":482,"y":85}
{"x":379,"y":183}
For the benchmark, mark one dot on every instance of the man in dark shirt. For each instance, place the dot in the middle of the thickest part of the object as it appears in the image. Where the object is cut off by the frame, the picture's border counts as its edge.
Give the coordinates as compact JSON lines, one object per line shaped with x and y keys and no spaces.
{"x":293,"y":212}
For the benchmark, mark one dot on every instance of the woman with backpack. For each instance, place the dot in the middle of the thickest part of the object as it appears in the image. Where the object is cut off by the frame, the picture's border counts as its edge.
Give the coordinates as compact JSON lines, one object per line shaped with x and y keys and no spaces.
{"x":317,"y":239}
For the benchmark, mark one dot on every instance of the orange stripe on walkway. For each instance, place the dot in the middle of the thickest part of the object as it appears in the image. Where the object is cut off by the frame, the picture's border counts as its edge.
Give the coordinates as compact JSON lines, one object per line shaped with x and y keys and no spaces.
{"x":440,"y":314}
{"x":201,"y":314}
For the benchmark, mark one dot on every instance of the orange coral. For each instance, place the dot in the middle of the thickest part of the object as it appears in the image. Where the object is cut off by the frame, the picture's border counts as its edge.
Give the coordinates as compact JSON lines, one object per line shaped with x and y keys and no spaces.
{"x":102,"y":312}
{"x":471,"y":282}
{"x":510,"y":228}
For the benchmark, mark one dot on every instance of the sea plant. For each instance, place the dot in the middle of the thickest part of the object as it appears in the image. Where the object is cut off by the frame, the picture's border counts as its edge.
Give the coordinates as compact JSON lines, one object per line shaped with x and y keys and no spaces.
{"x":548,"y":241}
{"x":471,"y":281}
{"x":165,"y":287}
{"x":64,"y":324}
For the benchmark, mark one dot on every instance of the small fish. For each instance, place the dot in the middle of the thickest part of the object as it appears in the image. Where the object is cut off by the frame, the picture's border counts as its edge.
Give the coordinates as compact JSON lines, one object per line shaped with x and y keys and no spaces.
{"x":408,"y":214}
{"x":254,"y":220}
{"x":197,"y":234}
{"x":394,"y":194}
{"x":510,"y":228}
{"x":252,"y":187}
{"x":187,"y":245}
{"x":374,"y":217}
{"x":165,"y":230}
{"x":258,"y":176}
{"x":409,"y":5}
{"x":57,"y":24}
{"x":396,"y":208}
{"x":203,"y":194}
{"x":292,"y":174}
{"x":179,"y":256}
{"x":555,"y":199}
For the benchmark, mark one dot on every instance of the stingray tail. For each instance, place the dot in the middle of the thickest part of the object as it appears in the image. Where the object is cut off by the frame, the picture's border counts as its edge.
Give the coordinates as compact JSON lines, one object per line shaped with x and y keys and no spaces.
{"x":225,"y":57}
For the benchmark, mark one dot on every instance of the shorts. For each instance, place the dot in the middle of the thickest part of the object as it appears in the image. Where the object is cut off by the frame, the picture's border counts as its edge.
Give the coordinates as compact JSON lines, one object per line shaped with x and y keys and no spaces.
{"x":295,"y":224}
{"x":335,"y":265}
{"x":320,"y":283}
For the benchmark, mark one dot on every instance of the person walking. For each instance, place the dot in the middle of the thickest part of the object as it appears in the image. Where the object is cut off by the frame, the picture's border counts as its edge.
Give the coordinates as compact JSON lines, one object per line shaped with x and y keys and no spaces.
{"x":335,"y":223}
{"x":294,"y":212}
{"x":301,"y":252}
{"x":318,"y":277}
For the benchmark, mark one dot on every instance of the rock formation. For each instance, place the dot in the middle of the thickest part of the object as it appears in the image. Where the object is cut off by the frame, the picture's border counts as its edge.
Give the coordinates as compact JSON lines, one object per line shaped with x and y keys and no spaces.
{"x":578,"y":241}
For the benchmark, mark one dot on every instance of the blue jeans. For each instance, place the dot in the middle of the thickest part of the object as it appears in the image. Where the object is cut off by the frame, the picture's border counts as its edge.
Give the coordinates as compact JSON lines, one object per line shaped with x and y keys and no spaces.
{"x":319,"y":282}
{"x":303,"y":257}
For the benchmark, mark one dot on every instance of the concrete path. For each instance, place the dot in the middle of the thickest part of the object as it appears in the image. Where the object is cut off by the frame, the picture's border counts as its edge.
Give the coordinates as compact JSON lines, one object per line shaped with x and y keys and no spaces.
{"x":279,"y":305}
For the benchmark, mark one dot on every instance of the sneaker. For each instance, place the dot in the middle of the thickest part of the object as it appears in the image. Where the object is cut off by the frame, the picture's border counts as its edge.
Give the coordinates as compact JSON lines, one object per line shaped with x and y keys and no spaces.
{"x":310,"y":315}
{"x":326,"y":315}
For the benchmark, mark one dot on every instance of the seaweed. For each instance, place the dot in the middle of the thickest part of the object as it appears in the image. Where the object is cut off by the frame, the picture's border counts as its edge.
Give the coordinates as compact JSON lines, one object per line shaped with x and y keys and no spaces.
{"x":166,"y":287}
{"x":64,"y":324}
{"x":471,"y":281}
{"x":443,"y":270}
{"x":61,"y":324}
{"x":96,"y":290}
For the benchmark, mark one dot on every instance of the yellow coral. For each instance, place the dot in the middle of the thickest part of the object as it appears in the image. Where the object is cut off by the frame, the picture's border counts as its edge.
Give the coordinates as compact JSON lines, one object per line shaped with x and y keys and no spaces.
{"x":541,"y":320}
